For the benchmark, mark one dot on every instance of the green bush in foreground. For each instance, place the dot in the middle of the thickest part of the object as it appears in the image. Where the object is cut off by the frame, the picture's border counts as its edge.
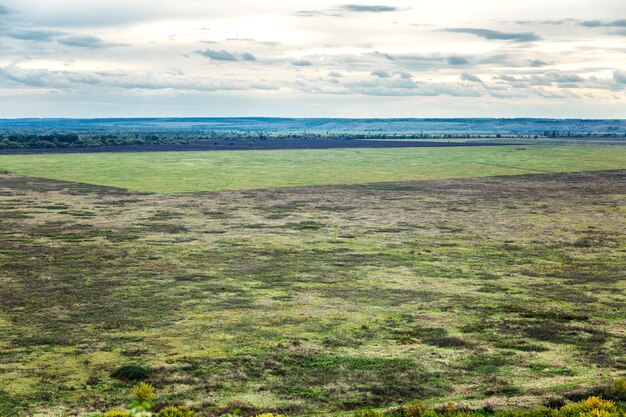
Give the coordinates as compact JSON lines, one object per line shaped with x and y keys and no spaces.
{"x":131,"y":373}
{"x":619,"y":389}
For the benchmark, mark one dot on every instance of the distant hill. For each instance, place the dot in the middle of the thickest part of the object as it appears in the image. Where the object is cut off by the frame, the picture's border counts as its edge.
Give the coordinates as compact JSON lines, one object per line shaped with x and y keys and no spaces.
{"x":251,"y":124}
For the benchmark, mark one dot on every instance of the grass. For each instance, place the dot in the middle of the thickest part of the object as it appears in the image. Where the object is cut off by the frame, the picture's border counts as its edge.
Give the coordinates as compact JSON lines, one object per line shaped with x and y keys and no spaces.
{"x":171,"y":172}
{"x":311,"y":299}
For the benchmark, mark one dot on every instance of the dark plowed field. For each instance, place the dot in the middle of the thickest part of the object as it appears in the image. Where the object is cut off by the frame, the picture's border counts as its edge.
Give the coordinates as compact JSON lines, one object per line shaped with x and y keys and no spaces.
{"x":256,"y":145}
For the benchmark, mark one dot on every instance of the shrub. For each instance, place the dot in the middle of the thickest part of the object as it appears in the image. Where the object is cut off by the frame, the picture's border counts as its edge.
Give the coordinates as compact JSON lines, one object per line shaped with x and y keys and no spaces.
{"x":555,"y":402}
{"x":591,"y":407}
{"x":270,"y":415}
{"x":143,"y":392}
{"x":449,"y":409}
{"x":619,"y":388}
{"x":367,"y":412}
{"x":533,"y":412}
{"x":177,"y":411}
{"x":117,"y":413}
{"x":447,"y":342}
{"x":395,"y":412}
{"x":131,"y":373}
{"x":415,"y":409}
{"x":236,"y":412}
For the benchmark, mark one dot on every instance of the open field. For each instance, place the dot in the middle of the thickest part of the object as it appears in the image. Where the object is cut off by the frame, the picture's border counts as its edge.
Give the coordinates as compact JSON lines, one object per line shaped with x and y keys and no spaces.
{"x":311,"y":299}
{"x":170,"y":172}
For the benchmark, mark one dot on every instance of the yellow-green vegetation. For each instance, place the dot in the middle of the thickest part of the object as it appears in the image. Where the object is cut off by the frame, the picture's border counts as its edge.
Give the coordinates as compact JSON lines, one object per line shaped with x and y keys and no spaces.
{"x":177,"y":411}
{"x":592,"y":406}
{"x":117,"y":413}
{"x":171,"y":172}
{"x":308,"y":300}
{"x":619,"y":389}
{"x":143,"y":393}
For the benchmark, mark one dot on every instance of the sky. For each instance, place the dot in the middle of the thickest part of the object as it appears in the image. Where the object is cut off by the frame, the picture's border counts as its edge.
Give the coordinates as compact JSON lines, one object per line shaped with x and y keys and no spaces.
{"x":323,"y":58}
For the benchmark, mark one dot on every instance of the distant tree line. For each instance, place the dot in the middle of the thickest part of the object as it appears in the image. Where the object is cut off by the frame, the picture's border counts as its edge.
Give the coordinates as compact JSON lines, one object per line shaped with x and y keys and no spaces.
{"x":75,"y":140}
{"x":25,"y":139}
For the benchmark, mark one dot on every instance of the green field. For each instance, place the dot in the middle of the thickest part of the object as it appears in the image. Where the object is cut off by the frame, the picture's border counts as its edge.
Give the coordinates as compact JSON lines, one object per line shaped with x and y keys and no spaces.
{"x":371,"y":290}
{"x":171,"y":172}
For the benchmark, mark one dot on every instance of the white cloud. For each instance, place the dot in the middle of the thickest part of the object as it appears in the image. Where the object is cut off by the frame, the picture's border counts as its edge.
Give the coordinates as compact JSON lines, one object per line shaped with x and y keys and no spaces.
{"x":505,"y":55}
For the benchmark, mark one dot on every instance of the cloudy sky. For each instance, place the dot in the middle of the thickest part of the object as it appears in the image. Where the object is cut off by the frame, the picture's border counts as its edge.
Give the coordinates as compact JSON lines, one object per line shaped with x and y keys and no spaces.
{"x":445,"y":58}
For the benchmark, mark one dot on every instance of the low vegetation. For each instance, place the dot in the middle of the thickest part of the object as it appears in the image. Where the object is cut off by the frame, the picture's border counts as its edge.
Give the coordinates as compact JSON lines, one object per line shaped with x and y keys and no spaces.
{"x":311,"y":299}
{"x":144,"y":396}
{"x":173,"y":172}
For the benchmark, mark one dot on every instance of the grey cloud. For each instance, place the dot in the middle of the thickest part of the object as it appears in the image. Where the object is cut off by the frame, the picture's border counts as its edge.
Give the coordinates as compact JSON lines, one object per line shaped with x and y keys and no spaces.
{"x":471,"y":78}
{"x":405,"y":87}
{"x":83,"y":14}
{"x":457,"y":60}
{"x":301,"y":63}
{"x":550,"y":78}
{"x":565,"y":81}
{"x":621,"y":23}
{"x":347,"y":9}
{"x":509,"y":78}
{"x":316,"y":13}
{"x":87,"y":42}
{"x":400,"y":75}
{"x":381,"y":74}
{"x":383,"y":87}
{"x":5,"y":10}
{"x":497,"y":35}
{"x":537,"y":63}
{"x":224,"y":55}
{"x":547,"y":79}
{"x":335,"y":74}
{"x":247,"y":56}
{"x":270,"y":43}
{"x":605,"y":24}
{"x":34,"y":35}
{"x":385,"y":55}
{"x":307,"y":13}
{"x":361,"y":8}
{"x":415,"y":62}
{"x":501,"y":59}
{"x":217,"y":55}
{"x":42,"y":78}
{"x":546,"y":22}
{"x":63,"y":38}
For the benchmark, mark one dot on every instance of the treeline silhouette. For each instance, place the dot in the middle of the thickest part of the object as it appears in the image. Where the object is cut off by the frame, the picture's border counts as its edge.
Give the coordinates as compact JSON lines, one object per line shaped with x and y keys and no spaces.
{"x":82,"y":139}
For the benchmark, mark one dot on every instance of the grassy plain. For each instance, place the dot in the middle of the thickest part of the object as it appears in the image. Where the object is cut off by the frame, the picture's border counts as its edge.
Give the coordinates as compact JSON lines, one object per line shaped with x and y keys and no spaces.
{"x":170,"y":172}
{"x":310,"y":299}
